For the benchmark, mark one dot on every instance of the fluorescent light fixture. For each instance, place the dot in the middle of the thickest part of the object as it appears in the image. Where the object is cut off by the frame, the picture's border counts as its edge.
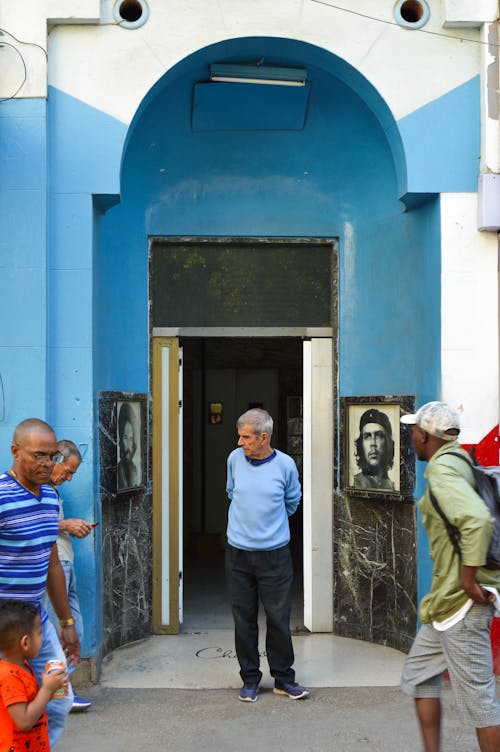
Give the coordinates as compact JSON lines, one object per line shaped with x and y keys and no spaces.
{"x":258,"y":74}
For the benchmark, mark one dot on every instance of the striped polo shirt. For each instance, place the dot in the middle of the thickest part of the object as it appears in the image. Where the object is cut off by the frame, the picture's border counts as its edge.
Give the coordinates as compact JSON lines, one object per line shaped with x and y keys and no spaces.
{"x":28,"y":531}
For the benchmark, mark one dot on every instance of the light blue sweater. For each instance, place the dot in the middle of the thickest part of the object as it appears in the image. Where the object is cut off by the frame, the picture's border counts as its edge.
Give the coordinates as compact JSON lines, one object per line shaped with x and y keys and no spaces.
{"x":262,"y":498}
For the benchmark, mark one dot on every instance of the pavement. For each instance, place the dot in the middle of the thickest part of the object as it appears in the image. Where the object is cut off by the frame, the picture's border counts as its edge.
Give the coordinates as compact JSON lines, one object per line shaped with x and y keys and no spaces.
{"x":180,"y":693}
{"x":353,"y":719}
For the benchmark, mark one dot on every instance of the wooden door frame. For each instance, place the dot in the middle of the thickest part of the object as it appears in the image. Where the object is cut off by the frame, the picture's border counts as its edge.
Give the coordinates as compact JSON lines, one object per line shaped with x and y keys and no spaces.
{"x":165,"y":454}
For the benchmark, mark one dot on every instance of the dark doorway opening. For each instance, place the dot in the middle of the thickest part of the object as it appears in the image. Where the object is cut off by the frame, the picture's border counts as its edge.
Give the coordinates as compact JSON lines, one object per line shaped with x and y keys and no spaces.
{"x":223,"y":377}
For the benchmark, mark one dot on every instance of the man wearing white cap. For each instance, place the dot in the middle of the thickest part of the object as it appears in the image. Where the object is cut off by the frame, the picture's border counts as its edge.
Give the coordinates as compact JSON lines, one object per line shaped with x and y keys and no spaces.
{"x":456,"y":614}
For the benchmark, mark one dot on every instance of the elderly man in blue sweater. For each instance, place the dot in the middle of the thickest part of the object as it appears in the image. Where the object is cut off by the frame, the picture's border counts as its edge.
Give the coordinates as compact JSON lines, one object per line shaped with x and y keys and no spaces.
{"x":264,"y":489}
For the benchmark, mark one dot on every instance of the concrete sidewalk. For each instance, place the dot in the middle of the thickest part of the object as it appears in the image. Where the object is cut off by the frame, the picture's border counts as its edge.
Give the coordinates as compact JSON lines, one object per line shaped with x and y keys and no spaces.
{"x":334,"y":719}
{"x":180,"y":693}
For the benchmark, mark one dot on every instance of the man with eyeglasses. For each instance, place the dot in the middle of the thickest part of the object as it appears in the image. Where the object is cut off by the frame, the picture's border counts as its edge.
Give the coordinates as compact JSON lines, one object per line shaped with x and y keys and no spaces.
{"x":71,"y":526}
{"x":29,"y":561}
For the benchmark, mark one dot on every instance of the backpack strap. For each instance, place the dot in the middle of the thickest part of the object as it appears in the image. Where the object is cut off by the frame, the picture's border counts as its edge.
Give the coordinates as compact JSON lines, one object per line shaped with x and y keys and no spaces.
{"x":452,"y":530}
{"x":469,"y":460}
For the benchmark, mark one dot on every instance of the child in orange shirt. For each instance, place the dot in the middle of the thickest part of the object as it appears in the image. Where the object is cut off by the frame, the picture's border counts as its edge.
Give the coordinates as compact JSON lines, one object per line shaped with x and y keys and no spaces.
{"x":23,"y":720}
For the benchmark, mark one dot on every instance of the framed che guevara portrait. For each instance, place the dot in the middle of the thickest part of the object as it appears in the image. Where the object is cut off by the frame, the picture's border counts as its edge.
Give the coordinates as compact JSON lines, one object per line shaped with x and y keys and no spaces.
{"x":377,"y":459}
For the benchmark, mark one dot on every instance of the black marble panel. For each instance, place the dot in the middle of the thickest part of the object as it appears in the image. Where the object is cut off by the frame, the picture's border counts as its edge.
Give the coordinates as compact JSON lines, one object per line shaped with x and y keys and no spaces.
{"x":375,"y":547}
{"x":126,"y":536}
{"x":375,"y":571}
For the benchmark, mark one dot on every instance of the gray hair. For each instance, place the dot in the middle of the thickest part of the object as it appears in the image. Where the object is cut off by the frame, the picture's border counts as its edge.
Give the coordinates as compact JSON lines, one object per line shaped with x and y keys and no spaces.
{"x":69,"y":449}
{"x":259,"y":419}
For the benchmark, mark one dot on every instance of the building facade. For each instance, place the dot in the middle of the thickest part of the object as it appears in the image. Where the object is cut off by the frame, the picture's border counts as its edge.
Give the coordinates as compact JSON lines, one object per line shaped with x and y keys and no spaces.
{"x":211,"y":205}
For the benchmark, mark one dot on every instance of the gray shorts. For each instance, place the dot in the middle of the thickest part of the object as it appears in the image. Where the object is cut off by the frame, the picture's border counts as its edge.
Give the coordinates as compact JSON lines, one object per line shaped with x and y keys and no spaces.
{"x":463,"y":650}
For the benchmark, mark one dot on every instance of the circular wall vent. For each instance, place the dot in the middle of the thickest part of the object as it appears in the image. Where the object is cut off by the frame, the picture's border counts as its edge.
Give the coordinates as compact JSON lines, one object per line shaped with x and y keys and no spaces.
{"x":412,"y":14}
{"x":131,"y":14}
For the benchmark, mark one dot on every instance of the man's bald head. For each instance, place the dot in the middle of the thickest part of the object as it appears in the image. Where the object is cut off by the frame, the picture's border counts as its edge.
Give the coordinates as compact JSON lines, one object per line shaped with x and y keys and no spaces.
{"x":29,"y":427}
{"x":34,"y":451}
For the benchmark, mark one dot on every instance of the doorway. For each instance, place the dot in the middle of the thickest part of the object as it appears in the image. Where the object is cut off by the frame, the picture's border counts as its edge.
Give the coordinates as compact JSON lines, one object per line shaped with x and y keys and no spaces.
{"x":223,"y":377}
{"x":255,"y":320}
{"x":170,"y":428}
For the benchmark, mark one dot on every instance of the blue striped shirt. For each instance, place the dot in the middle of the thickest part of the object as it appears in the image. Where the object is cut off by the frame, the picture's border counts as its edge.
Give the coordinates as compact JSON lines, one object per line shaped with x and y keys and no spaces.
{"x":28,"y":531}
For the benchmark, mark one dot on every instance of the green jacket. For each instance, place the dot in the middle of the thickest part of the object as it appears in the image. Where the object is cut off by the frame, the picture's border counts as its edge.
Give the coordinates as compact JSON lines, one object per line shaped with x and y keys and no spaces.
{"x":452,"y":484}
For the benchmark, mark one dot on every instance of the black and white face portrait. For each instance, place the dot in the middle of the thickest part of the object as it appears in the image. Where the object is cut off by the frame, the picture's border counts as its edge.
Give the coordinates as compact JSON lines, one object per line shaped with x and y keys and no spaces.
{"x":128,"y":445}
{"x":374,"y":448}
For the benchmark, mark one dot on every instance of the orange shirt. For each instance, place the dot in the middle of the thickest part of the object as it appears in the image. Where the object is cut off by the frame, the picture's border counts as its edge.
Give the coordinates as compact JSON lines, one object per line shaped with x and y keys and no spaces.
{"x":18,"y":685}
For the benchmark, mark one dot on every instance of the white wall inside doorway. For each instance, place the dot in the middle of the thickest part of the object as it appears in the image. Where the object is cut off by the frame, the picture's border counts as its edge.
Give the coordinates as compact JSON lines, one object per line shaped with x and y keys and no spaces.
{"x":237,"y":390}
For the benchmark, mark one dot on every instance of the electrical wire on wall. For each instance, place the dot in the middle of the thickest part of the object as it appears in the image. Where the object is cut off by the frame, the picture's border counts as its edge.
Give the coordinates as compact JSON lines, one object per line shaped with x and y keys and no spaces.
{"x":122,"y":23}
{"x":3,"y":43}
{"x":4,"y":32}
{"x":25,"y":73}
{"x":21,"y":41}
{"x":393,"y":23}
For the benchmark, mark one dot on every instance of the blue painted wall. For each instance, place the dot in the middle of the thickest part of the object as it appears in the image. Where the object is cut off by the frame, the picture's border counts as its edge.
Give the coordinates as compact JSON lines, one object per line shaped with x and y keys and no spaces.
{"x":45,"y":355}
{"x":23,"y":249}
{"x":443,"y":142}
{"x":84,"y":154}
{"x":336,"y":177}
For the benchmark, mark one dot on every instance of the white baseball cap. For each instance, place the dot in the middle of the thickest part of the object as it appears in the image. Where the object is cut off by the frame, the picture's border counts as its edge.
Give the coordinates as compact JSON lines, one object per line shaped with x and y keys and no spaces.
{"x":437,"y":418}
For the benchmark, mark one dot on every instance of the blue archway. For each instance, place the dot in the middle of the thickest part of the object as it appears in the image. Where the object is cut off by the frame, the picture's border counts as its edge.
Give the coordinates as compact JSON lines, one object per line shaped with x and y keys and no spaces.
{"x":341,"y":174}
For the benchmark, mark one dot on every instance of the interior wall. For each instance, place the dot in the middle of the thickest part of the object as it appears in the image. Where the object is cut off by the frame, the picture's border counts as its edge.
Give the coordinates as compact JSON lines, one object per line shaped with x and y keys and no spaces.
{"x":237,"y":390}
{"x":219,"y":386}
{"x":240,"y":372}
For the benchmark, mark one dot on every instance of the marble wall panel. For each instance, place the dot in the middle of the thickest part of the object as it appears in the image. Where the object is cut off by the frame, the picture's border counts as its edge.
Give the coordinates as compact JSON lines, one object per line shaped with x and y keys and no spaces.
{"x":375,"y":545}
{"x":375,"y":571}
{"x":126,"y":536}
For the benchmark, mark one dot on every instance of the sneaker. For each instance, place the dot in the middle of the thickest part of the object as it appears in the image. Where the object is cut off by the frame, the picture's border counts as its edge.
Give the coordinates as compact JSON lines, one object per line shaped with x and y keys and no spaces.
{"x":249,"y":692}
{"x":293,"y":690}
{"x":80,"y":704}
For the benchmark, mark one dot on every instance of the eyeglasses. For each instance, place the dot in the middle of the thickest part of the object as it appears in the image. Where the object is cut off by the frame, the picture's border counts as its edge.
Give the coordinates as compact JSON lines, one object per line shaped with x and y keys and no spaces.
{"x":45,"y":459}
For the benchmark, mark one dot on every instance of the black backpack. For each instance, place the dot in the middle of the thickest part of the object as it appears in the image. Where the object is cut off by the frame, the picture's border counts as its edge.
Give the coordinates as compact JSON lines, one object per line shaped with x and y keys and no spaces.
{"x":487,"y":485}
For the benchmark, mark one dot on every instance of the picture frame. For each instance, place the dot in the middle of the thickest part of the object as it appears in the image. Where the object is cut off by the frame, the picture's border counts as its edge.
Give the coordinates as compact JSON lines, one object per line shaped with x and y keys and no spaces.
{"x":215,"y":413}
{"x":377,"y":459}
{"x":130,"y":446}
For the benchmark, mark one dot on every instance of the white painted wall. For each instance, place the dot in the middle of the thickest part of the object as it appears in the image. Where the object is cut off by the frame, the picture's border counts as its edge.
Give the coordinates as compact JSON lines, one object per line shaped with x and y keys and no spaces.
{"x":236,"y":389}
{"x":25,"y":25}
{"x":463,"y":13}
{"x":401,"y":64}
{"x":469,"y":310}
{"x":112,"y":68}
{"x":318,"y":445}
{"x":490,"y":98}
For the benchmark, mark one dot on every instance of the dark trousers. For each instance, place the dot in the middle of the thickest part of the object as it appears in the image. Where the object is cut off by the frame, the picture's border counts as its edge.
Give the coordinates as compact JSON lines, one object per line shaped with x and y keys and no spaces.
{"x":267,"y":574}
